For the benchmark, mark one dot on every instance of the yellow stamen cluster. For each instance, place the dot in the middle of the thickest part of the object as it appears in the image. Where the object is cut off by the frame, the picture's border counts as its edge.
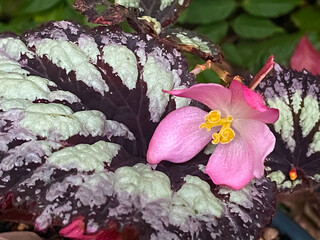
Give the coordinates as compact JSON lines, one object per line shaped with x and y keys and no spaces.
{"x":213,"y":119}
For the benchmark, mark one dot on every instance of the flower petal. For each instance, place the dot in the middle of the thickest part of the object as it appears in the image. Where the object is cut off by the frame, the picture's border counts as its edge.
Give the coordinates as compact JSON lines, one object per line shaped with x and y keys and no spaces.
{"x":247,"y":104}
{"x":238,"y":162}
{"x":215,"y":96}
{"x":178,"y":137}
{"x":306,"y":57}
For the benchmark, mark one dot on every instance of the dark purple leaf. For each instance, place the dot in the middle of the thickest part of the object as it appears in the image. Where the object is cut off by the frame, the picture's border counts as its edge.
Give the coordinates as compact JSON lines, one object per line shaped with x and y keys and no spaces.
{"x":77,"y":110}
{"x":141,"y":197}
{"x":150,"y":17}
{"x":164,"y":12}
{"x":194,"y":43}
{"x":296,"y":95}
{"x":113,"y":14}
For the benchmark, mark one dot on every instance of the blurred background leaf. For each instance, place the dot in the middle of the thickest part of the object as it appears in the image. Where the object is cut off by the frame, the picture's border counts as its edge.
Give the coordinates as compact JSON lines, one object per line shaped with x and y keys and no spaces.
{"x":249,"y":31}
{"x":270,"y":8}
{"x":207,"y":11}
{"x":307,"y":19}
{"x":35,"y":6}
{"x":252,"y":27}
{"x":215,"y":31}
{"x":20,"y":15}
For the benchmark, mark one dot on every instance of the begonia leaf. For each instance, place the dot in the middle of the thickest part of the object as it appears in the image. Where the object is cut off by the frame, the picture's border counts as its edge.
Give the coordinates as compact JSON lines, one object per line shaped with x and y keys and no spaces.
{"x":194,"y":43}
{"x":77,"y":110}
{"x":165,"y":12}
{"x":151,"y":18}
{"x":296,"y":95}
{"x":112,"y":15}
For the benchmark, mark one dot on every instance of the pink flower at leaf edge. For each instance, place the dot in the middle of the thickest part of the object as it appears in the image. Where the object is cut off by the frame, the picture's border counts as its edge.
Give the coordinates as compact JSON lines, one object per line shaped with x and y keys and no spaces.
{"x":306,"y":57}
{"x":237,"y":123}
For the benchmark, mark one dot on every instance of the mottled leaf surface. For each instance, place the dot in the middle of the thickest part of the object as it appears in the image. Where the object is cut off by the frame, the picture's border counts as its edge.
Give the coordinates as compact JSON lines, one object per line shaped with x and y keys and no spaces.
{"x":77,"y":110}
{"x":151,"y":17}
{"x":194,"y":43}
{"x":296,"y":95}
{"x":165,"y":12}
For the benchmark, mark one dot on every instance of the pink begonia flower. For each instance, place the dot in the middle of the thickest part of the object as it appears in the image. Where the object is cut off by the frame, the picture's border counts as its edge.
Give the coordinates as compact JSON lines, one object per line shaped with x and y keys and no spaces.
{"x":306,"y":57}
{"x":237,"y":124}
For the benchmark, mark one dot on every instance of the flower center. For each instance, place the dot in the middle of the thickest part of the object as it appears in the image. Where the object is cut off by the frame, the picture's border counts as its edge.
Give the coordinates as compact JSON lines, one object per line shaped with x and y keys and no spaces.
{"x":213,"y":119}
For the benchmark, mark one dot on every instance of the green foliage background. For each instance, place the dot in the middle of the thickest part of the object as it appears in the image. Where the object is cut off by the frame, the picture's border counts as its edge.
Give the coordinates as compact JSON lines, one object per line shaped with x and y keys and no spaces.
{"x":21,"y":15}
{"x":248,"y":31}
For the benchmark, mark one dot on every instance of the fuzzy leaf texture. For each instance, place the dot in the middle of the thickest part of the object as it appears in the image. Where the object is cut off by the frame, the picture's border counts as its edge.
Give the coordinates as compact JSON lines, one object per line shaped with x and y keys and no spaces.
{"x":153,"y":18}
{"x":194,"y":43}
{"x":297,"y":96}
{"x":165,"y":12}
{"x":78,"y":108}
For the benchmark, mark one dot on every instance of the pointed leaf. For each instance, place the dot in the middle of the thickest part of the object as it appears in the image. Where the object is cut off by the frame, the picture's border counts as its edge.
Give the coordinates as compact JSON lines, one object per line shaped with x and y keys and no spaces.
{"x":307,"y":18}
{"x":297,"y":96}
{"x":214,"y":31}
{"x":207,"y":11}
{"x":165,"y":12}
{"x":251,"y":27}
{"x":34,"y":6}
{"x":270,"y":8}
{"x":194,"y":43}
